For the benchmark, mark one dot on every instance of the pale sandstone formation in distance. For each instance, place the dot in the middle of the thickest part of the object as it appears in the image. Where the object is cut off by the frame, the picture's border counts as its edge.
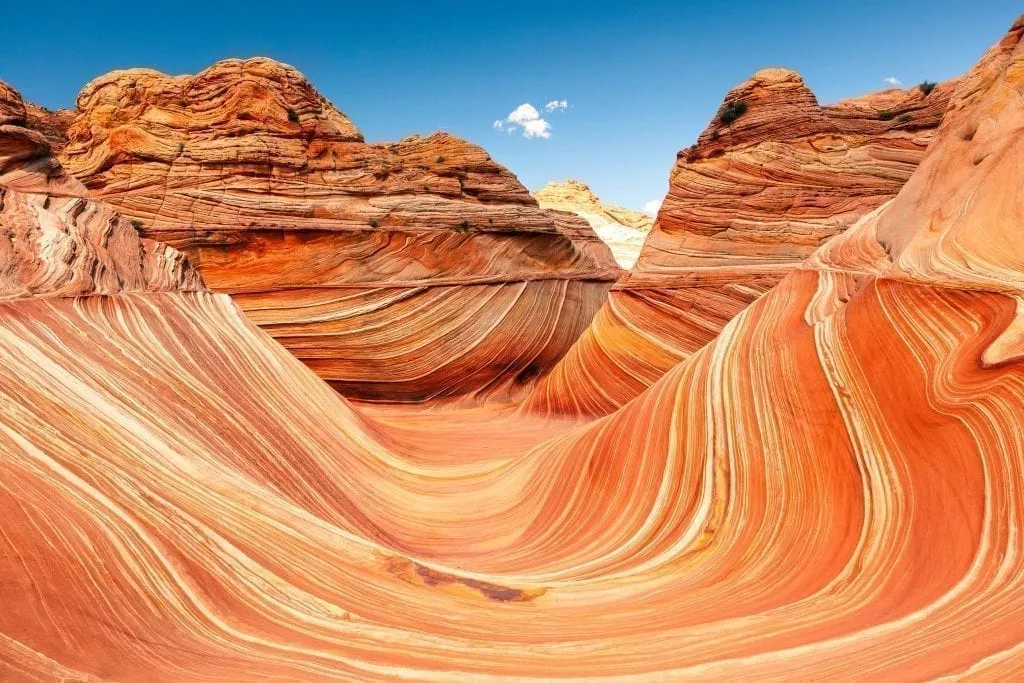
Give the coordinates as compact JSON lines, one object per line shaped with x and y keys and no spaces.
{"x":745,"y":205}
{"x":622,"y":230}
{"x":398,"y":272}
{"x":832,"y":489}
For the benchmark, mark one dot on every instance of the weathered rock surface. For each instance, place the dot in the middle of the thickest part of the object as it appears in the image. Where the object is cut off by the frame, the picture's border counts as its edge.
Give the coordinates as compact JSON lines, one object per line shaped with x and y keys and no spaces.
{"x":56,"y":242}
{"x":621,"y":229}
{"x":406,"y":271}
{"x":830,"y":489}
{"x":12,"y":107}
{"x":746,"y":204}
{"x":53,"y":124}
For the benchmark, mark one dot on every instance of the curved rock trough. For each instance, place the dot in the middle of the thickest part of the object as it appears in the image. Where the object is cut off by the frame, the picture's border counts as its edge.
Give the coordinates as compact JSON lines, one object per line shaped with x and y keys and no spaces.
{"x":829,"y":488}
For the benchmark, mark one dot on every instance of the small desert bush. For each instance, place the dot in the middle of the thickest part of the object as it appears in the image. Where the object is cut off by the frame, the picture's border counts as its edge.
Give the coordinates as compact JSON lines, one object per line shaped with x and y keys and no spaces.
{"x":732,"y":111}
{"x":886,"y":115}
{"x":926,"y":87}
{"x":293,"y":116}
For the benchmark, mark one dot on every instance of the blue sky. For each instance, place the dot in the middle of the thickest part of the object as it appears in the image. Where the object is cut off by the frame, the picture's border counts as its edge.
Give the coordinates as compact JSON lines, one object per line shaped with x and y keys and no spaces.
{"x":641,"y":78}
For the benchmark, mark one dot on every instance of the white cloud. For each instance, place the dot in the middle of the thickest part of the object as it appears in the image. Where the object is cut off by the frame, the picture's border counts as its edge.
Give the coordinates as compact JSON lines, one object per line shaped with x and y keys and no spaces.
{"x":556,"y":104}
{"x":527,"y":118}
{"x":537,"y":129}
{"x":652,"y":207}
{"x":892,"y":80}
{"x":523,"y":114}
{"x":499,"y":125}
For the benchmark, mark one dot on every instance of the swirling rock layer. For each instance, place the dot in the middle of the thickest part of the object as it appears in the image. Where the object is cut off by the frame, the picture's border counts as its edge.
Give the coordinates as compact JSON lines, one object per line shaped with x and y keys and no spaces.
{"x":322,"y":238}
{"x":746,"y":204}
{"x":830,"y":489}
{"x":622,"y":230}
{"x":52,"y":124}
{"x":56,"y":242}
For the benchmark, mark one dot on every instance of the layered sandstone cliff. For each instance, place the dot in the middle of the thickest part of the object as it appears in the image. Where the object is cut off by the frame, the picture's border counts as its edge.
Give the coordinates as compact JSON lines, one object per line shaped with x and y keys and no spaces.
{"x":406,"y":271}
{"x":748,"y":202}
{"x":622,"y":230}
{"x":55,"y":241}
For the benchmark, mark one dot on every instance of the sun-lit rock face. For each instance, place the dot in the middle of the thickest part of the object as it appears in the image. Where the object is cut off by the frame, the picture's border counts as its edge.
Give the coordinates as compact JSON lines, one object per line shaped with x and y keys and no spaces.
{"x":831,"y":489}
{"x":53,"y":124}
{"x":12,"y":107}
{"x":56,"y":242}
{"x":621,"y":229}
{"x":405,"y":271}
{"x":753,"y":198}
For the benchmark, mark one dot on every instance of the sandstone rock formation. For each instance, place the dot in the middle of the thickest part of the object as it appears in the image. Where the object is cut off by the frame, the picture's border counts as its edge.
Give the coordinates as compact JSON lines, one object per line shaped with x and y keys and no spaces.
{"x":830,"y":489}
{"x":398,"y":272}
{"x":12,"y":107}
{"x":622,"y":230}
{"x":746,"y":204}
{"x":52,"y":124}
{"x":54,"y":241}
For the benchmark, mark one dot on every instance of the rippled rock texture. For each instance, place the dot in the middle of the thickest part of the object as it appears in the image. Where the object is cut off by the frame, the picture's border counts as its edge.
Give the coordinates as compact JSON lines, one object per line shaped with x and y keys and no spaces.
{"x":398,"y":272}
{"x":746,"y":204}
{"x":624,"y":231}
{"x":830,"y":489}
{"x":52,"y":124}
{"x":56,"y":242}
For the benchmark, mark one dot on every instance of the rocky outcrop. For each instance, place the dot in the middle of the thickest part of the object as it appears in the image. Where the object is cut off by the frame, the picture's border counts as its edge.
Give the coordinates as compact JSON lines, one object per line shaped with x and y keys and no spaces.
{"x":830,"y":489}
{"x":398,"y":272}
{"x":53,"y":124}
{"x":772,"y":177}
{"x":56,"y":242}
{"x":12,"y":107}
{"x":622,"y":230}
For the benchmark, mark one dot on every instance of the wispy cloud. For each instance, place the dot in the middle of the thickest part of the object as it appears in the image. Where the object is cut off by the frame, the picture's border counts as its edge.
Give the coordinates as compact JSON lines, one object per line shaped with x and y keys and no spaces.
{"x":892,"y":80}
{"x":556,"y":104}
{"x":652,"y":207}
{"x":525,"y":117}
